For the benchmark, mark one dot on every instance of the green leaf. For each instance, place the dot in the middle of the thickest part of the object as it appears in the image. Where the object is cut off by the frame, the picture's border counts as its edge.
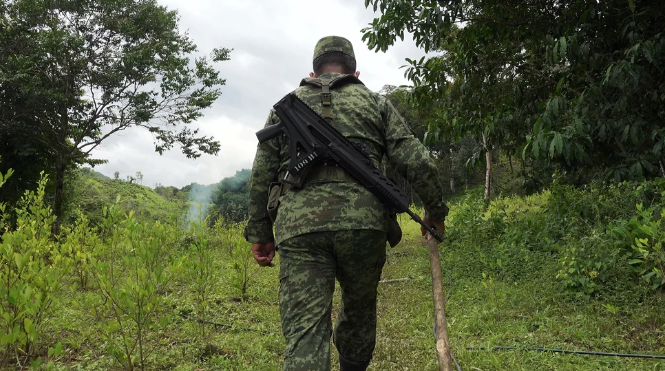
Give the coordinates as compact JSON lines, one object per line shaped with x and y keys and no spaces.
{"x":36,"y":363}
{"x":20,"y":262}
{"x":58,"y":349}
{"x":563,"y":46}
{"x":560,"y":84}
{"x":607,"y":74}
{"x":635,"y":261}
{"x":537,"y":125}
{"x":29,"y":327}
{"x":631,"y":4}
{"x":625,"y":133}
{"x":649,"y":275}
{"x":554,"y":105}
{"x":558,"y":142}
{"x":658,"y":147}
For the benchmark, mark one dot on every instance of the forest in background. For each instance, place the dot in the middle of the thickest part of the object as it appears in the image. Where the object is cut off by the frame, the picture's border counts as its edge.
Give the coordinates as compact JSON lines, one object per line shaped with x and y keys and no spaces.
{"x":544,"y":117}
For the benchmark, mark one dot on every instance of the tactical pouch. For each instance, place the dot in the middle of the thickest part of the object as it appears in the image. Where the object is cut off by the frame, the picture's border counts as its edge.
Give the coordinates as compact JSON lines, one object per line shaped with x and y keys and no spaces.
{"x":274,"y":193}
{"x":394,"y":230}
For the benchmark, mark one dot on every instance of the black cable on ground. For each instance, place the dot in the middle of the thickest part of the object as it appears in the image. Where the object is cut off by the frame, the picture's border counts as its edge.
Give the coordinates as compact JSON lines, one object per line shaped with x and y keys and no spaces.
{"x":605,"y":354}
{"x":455,"y":360}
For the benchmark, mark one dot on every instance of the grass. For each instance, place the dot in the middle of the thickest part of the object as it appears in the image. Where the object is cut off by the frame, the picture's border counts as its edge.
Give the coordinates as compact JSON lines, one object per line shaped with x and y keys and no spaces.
{"x":532,"y":310}
{"x":532,"y":313}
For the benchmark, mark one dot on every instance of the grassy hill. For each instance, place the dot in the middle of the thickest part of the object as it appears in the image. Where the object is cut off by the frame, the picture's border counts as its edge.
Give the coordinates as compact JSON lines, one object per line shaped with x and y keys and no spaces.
{"x":90,"y":192}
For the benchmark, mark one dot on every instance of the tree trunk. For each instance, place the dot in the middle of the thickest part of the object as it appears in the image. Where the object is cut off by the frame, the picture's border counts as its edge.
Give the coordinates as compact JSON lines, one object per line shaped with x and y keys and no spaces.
{"x":662,"y":168}
{"x":59,"y":192}
{"x":488,"y":175}
{"x":452,"y":185}
{"x":510,"y":162}
{"x":62,"y":149}
{"x":488,"y":170}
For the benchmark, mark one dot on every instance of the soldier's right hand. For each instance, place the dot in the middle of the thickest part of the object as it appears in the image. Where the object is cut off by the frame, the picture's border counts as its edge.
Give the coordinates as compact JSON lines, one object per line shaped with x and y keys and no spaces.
{"x":264,"y":253}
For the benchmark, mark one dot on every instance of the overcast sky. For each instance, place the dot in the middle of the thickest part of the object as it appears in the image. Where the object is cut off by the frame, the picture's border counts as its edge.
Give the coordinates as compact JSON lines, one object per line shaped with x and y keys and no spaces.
{"x":272,"y":44}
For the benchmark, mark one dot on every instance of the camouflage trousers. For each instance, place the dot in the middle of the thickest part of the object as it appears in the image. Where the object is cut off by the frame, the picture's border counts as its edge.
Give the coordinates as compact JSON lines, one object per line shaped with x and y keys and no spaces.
{"x":309,"y":265}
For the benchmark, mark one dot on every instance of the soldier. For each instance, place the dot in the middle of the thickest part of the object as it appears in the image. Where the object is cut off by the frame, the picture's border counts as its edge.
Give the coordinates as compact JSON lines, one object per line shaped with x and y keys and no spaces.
{"x":333,"y":227}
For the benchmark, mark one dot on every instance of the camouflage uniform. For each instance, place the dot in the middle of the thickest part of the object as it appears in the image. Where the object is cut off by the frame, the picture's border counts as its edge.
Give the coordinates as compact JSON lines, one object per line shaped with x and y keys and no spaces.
{"x":333,"y":227}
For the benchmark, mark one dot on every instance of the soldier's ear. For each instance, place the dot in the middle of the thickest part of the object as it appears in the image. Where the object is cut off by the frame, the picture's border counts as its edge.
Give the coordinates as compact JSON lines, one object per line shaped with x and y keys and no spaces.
{"x":312,"y":75}
{"x":356,"y":74}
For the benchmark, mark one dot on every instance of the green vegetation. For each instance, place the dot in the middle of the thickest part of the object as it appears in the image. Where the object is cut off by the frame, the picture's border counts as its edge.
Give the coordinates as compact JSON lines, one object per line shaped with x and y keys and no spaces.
{"x":231,"y":198}
{"x":575,"y":84}
{"x":545,"y":119}
{"x":80,"y":72}
{"x":90,"y":192}
{"x":570,"y":268}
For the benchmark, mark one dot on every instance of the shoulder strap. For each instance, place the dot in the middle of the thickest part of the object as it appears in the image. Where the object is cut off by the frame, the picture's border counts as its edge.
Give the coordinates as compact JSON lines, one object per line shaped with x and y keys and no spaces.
{"x":326,"y":100}
{"x":336,"y":82}
{"x":326,"y":85}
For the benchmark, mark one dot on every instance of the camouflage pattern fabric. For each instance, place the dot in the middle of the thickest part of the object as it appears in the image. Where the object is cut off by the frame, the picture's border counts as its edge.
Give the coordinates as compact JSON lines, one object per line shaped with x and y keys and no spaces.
{"x":333,"y":44}
{"x":309,"y":265}
{"x":365,"y":118}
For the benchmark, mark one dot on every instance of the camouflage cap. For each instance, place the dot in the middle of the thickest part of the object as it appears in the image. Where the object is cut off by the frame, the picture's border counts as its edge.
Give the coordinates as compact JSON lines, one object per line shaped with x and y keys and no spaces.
{"x":333,"y":44}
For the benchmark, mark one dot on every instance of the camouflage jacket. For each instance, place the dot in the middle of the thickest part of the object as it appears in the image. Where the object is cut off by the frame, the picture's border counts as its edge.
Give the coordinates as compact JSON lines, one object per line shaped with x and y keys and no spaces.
{"x":363,"y":117}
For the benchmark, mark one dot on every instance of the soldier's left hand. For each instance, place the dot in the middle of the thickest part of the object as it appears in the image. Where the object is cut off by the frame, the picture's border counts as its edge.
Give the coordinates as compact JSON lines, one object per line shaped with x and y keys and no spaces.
{"x":264,"y":253}
{"x":439,"y":226}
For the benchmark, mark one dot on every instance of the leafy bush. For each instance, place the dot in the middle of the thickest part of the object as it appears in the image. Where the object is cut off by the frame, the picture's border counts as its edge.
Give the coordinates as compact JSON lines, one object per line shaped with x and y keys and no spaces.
{"x":130,"y":281}
{"x":507,"y":240}
{"x":201,"y":270}
{"x":241,"y":263}
{"x":595,"y":239}
{"x":81,"y":244}
{"x":33,"y":268}
{"x":612,"y":238}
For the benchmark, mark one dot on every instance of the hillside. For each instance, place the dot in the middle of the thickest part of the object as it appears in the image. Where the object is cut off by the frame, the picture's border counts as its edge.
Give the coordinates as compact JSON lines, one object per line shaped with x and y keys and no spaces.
{"x":91,"y":191}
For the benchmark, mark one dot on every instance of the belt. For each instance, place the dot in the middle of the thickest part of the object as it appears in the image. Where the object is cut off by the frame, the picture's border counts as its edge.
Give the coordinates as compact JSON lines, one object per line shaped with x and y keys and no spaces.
{"x":329,"y":172}
{"x":325,"y":171}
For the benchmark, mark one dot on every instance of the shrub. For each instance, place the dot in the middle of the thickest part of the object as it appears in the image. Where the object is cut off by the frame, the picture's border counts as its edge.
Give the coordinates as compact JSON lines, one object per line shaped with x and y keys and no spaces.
{"x":613,"y":240}
{"x":32,"y":270}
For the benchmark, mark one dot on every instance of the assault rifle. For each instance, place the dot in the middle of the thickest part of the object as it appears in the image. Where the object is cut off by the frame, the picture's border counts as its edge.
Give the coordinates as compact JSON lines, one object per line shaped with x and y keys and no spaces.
{"x":312,"y":138}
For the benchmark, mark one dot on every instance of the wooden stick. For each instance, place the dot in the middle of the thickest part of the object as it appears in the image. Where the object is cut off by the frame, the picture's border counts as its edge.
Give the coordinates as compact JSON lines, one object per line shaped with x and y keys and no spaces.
{"x":441,"y":331}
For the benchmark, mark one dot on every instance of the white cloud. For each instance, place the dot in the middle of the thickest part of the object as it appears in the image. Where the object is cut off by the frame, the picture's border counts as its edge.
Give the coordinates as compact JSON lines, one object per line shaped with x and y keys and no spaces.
{"x":273,"y":44}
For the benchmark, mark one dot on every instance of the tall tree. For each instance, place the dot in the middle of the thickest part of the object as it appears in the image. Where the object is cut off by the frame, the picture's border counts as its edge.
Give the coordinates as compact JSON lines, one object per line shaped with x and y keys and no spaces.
{"x":98,"y":67}
{"x":576,"y":82}
{"x":231,"y":197}
{"x":452,"y":156}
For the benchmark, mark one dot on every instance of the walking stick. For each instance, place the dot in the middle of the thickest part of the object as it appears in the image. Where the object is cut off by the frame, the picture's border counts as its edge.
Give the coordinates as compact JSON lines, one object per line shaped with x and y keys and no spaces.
{"x":440,"y":329}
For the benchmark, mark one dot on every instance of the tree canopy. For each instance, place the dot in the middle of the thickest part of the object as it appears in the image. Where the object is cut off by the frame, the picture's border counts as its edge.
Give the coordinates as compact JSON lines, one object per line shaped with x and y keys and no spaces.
{"x":78,"y":72}
{"x":577,"y":83}
{"x":231,"y":198}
